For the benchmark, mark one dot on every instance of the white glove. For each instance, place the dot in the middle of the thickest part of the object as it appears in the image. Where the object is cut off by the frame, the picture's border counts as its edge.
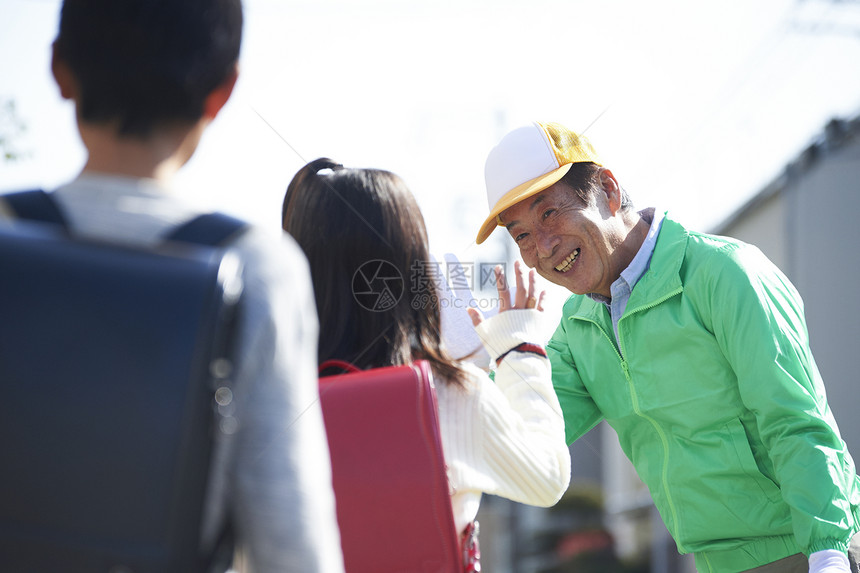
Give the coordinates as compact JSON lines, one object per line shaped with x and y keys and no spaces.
{"x":829,"y":561}
{"x":458,"y":334}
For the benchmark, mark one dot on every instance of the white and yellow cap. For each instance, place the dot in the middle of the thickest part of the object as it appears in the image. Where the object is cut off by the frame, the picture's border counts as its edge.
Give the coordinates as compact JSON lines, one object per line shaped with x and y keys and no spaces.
{"x":526,"y":161}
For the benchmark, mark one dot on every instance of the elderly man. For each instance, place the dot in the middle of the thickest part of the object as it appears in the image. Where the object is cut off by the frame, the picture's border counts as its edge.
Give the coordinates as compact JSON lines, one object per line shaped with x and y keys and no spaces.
{"x":694,"y":349}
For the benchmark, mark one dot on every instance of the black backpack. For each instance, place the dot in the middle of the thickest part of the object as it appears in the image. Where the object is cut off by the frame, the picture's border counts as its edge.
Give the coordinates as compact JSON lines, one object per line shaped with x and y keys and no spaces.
{"x":110,"y":361}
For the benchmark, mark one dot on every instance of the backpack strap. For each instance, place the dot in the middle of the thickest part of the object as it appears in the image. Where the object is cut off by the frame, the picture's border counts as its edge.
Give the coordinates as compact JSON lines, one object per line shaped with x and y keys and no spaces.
{"x":36,"y":205}
{"x":211,"y":229}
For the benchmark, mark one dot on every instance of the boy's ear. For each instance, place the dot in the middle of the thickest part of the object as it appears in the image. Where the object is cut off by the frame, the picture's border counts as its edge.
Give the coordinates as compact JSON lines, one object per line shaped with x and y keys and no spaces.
{"x":219,"y":96}
{"x":62,"y":75}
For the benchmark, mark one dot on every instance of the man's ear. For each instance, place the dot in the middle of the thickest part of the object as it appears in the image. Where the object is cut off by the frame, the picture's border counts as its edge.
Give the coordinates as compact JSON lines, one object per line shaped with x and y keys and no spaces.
{"x":611,"y":189}
{"x":62,"y":75}
{"x":219,"y":96}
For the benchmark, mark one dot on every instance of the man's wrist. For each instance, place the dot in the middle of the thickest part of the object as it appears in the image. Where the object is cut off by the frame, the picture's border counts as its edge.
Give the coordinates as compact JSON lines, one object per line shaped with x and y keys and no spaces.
{"x":829,"y":561}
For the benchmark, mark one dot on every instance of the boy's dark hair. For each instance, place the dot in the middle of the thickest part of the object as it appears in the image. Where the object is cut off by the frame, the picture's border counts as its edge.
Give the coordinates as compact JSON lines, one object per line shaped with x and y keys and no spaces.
{"x":142,"y":63}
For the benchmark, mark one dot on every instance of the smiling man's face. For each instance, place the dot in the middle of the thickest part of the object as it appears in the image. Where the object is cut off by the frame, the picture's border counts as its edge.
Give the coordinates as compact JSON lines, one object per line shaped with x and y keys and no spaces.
{"x":567,"y":241}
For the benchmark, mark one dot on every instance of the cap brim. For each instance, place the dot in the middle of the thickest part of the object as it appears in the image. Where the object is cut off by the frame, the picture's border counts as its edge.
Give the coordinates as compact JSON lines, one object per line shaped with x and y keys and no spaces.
{"x":517,"y":194}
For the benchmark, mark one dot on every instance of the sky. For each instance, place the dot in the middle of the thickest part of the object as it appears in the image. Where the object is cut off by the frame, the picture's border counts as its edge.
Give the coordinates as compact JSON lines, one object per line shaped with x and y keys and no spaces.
{"x":695,"y":106}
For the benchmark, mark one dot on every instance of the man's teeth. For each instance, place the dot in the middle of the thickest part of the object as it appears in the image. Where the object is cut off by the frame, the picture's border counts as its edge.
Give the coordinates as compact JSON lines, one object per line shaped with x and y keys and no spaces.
{"x":565,"y":265}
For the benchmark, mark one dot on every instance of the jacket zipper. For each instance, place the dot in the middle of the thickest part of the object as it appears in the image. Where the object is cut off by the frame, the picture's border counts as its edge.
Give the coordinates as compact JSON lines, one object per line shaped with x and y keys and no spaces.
{"x":619,"y":352}
{"x":635,"y":401}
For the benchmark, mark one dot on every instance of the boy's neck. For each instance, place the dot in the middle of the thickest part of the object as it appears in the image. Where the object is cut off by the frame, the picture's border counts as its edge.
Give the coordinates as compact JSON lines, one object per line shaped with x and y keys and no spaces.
{"x":157,"y":156}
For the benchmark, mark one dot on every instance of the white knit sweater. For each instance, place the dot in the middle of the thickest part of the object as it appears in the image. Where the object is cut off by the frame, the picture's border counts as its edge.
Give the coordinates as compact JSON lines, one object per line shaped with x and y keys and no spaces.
{"x":506,"y":437}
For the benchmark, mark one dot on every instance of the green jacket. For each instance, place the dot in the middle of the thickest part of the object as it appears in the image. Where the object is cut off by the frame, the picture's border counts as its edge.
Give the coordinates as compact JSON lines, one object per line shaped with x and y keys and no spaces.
{"x":716,"y":400}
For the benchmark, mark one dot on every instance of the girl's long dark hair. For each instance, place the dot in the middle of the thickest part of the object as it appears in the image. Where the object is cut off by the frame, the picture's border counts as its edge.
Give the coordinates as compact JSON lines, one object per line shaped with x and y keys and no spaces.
{"x":366,"y":242}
